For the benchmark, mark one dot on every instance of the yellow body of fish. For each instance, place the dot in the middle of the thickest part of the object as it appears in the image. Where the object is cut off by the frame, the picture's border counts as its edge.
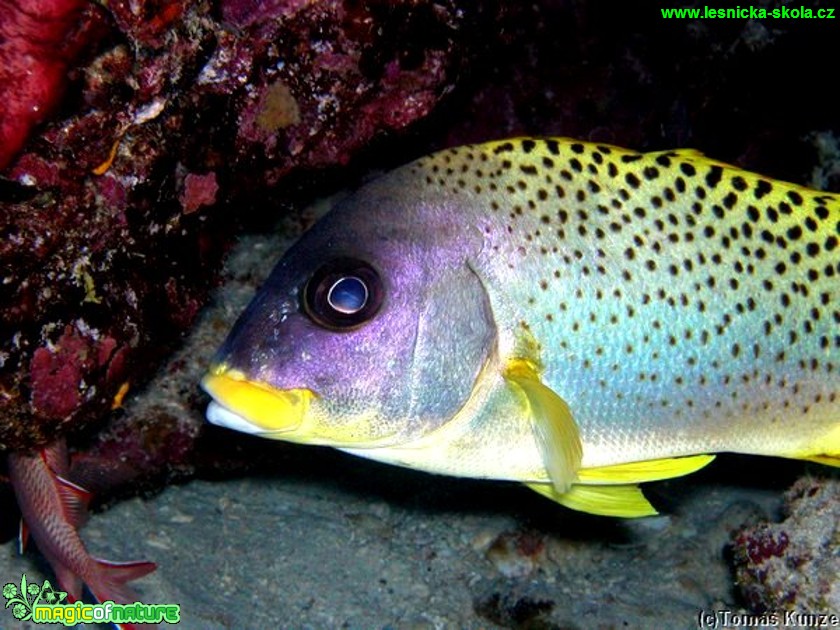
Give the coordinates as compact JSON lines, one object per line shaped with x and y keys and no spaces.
{"x":575,"y":316}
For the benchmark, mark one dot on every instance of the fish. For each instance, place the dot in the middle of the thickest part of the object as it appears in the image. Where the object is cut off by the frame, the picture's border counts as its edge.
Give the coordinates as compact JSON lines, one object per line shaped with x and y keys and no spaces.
{"x":575,"y":316}
{"x":52,"y":509}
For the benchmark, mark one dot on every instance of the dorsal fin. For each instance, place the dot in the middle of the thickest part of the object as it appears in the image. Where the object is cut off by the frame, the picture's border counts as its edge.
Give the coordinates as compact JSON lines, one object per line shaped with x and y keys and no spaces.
{"x":694,"y":154}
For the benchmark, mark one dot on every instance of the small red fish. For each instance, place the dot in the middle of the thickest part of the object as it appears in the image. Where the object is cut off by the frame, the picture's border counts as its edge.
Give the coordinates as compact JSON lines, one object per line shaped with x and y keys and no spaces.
{"x":53,"y":508}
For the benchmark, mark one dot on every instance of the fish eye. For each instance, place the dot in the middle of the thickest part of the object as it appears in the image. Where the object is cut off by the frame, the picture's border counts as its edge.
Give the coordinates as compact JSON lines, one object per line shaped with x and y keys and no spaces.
{"x":343,"y":294}
{"x":348,"y":295}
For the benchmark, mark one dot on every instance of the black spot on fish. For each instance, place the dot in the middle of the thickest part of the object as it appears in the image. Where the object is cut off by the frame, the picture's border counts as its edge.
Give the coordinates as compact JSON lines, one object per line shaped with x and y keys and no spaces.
{"x":528,"y":145}
{"x":738,"y":183}
{"x":714,"y":176}
{"x":631,"y":158}
{"x":577,"y":148}
{"x":730,"y":200}
{"x":650,"y":172}
{"x":632,"y":180}
{"x":795,"y":197}
{"x":553,"y":147}
{"x":762,"y":188}
{"x":507,"y":147}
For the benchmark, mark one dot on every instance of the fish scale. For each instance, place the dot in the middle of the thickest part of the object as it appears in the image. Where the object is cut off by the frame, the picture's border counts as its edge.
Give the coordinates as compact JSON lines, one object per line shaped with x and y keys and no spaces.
{"x":575,"y":316}
{"x":663,"y":287}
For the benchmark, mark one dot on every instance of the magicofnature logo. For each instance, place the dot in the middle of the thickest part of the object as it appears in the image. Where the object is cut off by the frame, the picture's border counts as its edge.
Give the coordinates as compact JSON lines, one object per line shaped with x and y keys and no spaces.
{"x":29,"y":596}
{"x":44,"y":604}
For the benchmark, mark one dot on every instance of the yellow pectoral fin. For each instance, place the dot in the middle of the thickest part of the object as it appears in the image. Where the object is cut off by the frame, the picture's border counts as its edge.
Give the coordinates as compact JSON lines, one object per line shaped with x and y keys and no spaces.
{"x":625,"y":501}
{"x":640,"y":472}
{"x":554,"y":428}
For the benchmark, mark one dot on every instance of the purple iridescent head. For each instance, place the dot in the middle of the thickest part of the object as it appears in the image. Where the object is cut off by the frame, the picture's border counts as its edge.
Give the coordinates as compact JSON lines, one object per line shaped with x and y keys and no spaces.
{"x":371,"y":330}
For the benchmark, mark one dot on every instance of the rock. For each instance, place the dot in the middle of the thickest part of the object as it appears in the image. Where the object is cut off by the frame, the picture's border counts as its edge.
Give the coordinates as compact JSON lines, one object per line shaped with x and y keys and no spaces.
{"x":793,"y":565}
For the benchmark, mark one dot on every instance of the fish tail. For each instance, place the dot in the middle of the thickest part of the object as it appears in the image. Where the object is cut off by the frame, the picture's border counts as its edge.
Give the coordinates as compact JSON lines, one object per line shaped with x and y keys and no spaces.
{"x":110,"y":584}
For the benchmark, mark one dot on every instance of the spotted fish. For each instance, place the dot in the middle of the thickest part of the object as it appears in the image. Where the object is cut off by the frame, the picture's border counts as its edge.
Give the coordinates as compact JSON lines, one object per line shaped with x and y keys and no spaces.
{"x":578,"y":317}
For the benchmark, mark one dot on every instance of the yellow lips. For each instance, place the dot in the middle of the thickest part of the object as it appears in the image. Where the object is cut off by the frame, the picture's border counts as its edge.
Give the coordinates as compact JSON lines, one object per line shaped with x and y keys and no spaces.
{"x":260,"y":404}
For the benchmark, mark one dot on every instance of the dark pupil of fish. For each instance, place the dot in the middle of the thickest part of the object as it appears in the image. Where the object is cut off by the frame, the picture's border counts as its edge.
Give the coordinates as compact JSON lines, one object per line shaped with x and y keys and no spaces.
{"x":348,"y":295}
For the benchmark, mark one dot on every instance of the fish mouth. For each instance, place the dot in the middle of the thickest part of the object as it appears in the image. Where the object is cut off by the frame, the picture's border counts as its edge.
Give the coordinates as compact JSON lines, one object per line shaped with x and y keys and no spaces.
{"x":252,"y":406}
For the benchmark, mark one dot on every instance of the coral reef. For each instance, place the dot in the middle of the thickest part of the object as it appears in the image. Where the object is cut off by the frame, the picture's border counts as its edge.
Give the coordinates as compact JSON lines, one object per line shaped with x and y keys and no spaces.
{"x":115,"y":215}
{"x":794,"y":565}
{"x":39,"y":41}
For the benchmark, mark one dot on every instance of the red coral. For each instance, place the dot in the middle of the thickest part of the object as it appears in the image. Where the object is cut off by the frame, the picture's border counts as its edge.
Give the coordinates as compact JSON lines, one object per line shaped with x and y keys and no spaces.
{"x":763,"y":544}
{"x":57,"y":371}
{"x":39,"y":39}
{"x":198,"y":191}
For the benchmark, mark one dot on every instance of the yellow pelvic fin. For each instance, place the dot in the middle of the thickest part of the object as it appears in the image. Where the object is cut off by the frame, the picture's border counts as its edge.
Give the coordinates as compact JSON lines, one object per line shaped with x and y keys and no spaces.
{"x":639,"y":472}
{"x":625,"y":501}
{"x":555,"y":430}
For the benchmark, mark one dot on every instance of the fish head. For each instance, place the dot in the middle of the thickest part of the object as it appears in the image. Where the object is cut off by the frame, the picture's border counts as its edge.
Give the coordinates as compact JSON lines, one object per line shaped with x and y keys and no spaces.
{"x":371,"y":331}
